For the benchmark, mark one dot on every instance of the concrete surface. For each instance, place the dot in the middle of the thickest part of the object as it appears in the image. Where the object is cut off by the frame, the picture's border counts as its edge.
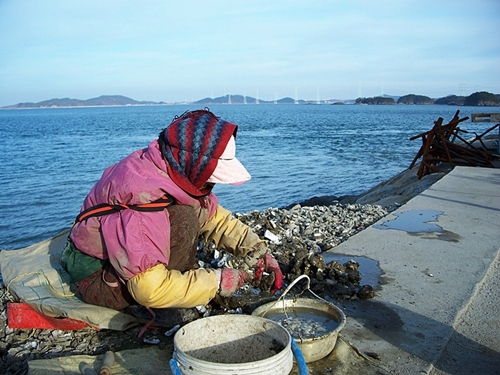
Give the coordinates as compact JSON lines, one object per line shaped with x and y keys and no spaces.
{"x":437,"y":310}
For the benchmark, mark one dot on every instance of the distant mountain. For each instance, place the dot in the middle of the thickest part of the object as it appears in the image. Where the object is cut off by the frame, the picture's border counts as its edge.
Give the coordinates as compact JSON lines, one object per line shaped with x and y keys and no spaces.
{"x":104,"y":100}
{"x":415,"y":99}
{"x":240,"y":99}
{"x":482,"y":98}
{"x":376,"y":100}
{"x":395,"y":97}
{"x":451,"y":100}
{"x":477,"y":99}
{"x":230,"y":99}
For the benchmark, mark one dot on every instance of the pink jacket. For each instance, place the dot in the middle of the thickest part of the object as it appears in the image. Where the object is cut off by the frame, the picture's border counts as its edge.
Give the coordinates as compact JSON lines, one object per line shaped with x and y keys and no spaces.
{"x":133,"y":241}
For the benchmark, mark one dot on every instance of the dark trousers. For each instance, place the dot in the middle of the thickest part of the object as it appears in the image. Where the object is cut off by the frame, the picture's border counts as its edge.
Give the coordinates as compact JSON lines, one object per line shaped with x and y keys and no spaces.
{"x":104,"y":288}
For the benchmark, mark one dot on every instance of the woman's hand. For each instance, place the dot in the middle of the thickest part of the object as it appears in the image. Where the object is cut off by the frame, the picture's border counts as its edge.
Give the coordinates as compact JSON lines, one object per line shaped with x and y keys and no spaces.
{"x":231,"y":280}
{"x":270,"y":265}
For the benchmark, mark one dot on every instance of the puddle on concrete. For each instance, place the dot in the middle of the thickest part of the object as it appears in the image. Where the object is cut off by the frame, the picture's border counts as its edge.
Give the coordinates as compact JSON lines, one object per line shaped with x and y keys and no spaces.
{"x":415,"y":221}
{"x":368,"y":268}
{"x":420,"y":223}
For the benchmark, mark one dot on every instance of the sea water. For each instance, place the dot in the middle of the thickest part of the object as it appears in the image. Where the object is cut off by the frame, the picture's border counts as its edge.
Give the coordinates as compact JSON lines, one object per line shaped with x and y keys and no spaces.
{"x":50,"y":158}
{"x":304,"y":323}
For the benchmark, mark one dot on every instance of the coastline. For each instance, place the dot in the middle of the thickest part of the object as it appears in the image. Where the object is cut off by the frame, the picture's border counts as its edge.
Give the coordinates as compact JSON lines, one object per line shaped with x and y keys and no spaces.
{"x":401,"y":188}
{"x":389,"y":194}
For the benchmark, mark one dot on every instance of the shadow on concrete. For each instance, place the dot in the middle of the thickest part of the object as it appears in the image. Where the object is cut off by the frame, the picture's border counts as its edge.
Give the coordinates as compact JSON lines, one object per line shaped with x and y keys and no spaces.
{"x":495,"y":179}
{"x":421,"y":336}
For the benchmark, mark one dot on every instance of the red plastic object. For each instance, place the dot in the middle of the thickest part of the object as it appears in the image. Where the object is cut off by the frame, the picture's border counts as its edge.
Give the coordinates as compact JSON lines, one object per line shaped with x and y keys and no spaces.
{"x":22,"y":315}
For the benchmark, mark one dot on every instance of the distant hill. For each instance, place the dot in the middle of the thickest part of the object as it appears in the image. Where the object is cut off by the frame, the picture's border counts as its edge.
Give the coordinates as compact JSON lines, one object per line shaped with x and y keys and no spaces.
{"x":104,"y":100}
{"x":477,"y":99}
{"x":240,"y":99}
{"x":482,"y":98}
{"x":395,"y":97}
{"x":415,"y":99}
{"x":451,"y":100}
{"x":376,"y":100}
{"x":230,"y":99}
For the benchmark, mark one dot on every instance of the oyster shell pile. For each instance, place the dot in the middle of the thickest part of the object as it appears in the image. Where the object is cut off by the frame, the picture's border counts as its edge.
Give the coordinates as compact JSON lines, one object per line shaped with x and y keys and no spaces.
{"x":297,"y":237}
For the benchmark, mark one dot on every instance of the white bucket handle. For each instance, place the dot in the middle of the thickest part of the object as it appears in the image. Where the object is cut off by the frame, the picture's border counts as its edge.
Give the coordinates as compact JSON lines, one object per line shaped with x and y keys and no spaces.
{"x":308,"y":287}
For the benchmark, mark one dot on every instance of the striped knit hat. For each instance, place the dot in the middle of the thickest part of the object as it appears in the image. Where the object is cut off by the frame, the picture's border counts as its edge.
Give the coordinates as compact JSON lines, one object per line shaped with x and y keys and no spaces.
{"x":192,"y":144}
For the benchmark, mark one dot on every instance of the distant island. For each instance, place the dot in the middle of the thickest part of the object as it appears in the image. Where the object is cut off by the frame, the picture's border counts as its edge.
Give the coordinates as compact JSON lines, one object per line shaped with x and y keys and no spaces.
{"x":103,"y":100}
{"x":481,"y":98}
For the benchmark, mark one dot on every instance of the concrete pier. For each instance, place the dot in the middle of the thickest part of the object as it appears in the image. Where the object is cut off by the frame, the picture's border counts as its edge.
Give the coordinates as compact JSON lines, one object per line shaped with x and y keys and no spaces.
{"x":438,"y":308}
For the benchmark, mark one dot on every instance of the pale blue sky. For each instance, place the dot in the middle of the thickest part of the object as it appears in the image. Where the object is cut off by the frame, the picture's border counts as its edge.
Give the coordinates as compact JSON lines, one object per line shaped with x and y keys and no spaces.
{"x":187,"y":50}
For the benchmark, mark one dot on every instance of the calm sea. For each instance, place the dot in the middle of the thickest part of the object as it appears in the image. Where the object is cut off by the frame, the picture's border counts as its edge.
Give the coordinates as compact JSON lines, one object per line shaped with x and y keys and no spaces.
{"x":50,"y":158}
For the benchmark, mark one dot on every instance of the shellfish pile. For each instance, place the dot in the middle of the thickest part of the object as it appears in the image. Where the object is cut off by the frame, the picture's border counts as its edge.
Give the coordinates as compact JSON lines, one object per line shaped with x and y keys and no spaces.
{"x":302,"y":328}
{"x":297,"y":236}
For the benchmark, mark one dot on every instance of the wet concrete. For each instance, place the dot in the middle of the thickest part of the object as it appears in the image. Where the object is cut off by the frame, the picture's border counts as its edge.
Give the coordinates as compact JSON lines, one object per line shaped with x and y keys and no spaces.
{"x":437,"y":309}
{"x":414,"y":221}
{"x":421,"y":223}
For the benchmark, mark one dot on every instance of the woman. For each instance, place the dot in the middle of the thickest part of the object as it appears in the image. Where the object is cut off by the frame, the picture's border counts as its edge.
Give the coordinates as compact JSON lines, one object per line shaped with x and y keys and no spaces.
{"x":135,"y":239}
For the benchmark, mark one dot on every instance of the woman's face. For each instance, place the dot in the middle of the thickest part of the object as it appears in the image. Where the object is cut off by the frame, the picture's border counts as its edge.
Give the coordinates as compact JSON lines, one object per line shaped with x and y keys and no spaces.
{"x":207,"y":185}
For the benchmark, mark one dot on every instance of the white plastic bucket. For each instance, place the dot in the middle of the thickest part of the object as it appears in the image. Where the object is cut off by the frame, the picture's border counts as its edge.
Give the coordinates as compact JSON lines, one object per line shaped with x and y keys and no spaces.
{"x":233,"y":344}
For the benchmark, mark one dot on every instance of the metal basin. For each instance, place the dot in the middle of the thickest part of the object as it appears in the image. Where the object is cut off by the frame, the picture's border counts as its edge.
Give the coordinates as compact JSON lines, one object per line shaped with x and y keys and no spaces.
{"x":315,"y":347}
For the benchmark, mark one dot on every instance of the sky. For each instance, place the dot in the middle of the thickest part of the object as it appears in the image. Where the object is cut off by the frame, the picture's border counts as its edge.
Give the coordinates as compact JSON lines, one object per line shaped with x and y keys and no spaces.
{"x":175,"y":51}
